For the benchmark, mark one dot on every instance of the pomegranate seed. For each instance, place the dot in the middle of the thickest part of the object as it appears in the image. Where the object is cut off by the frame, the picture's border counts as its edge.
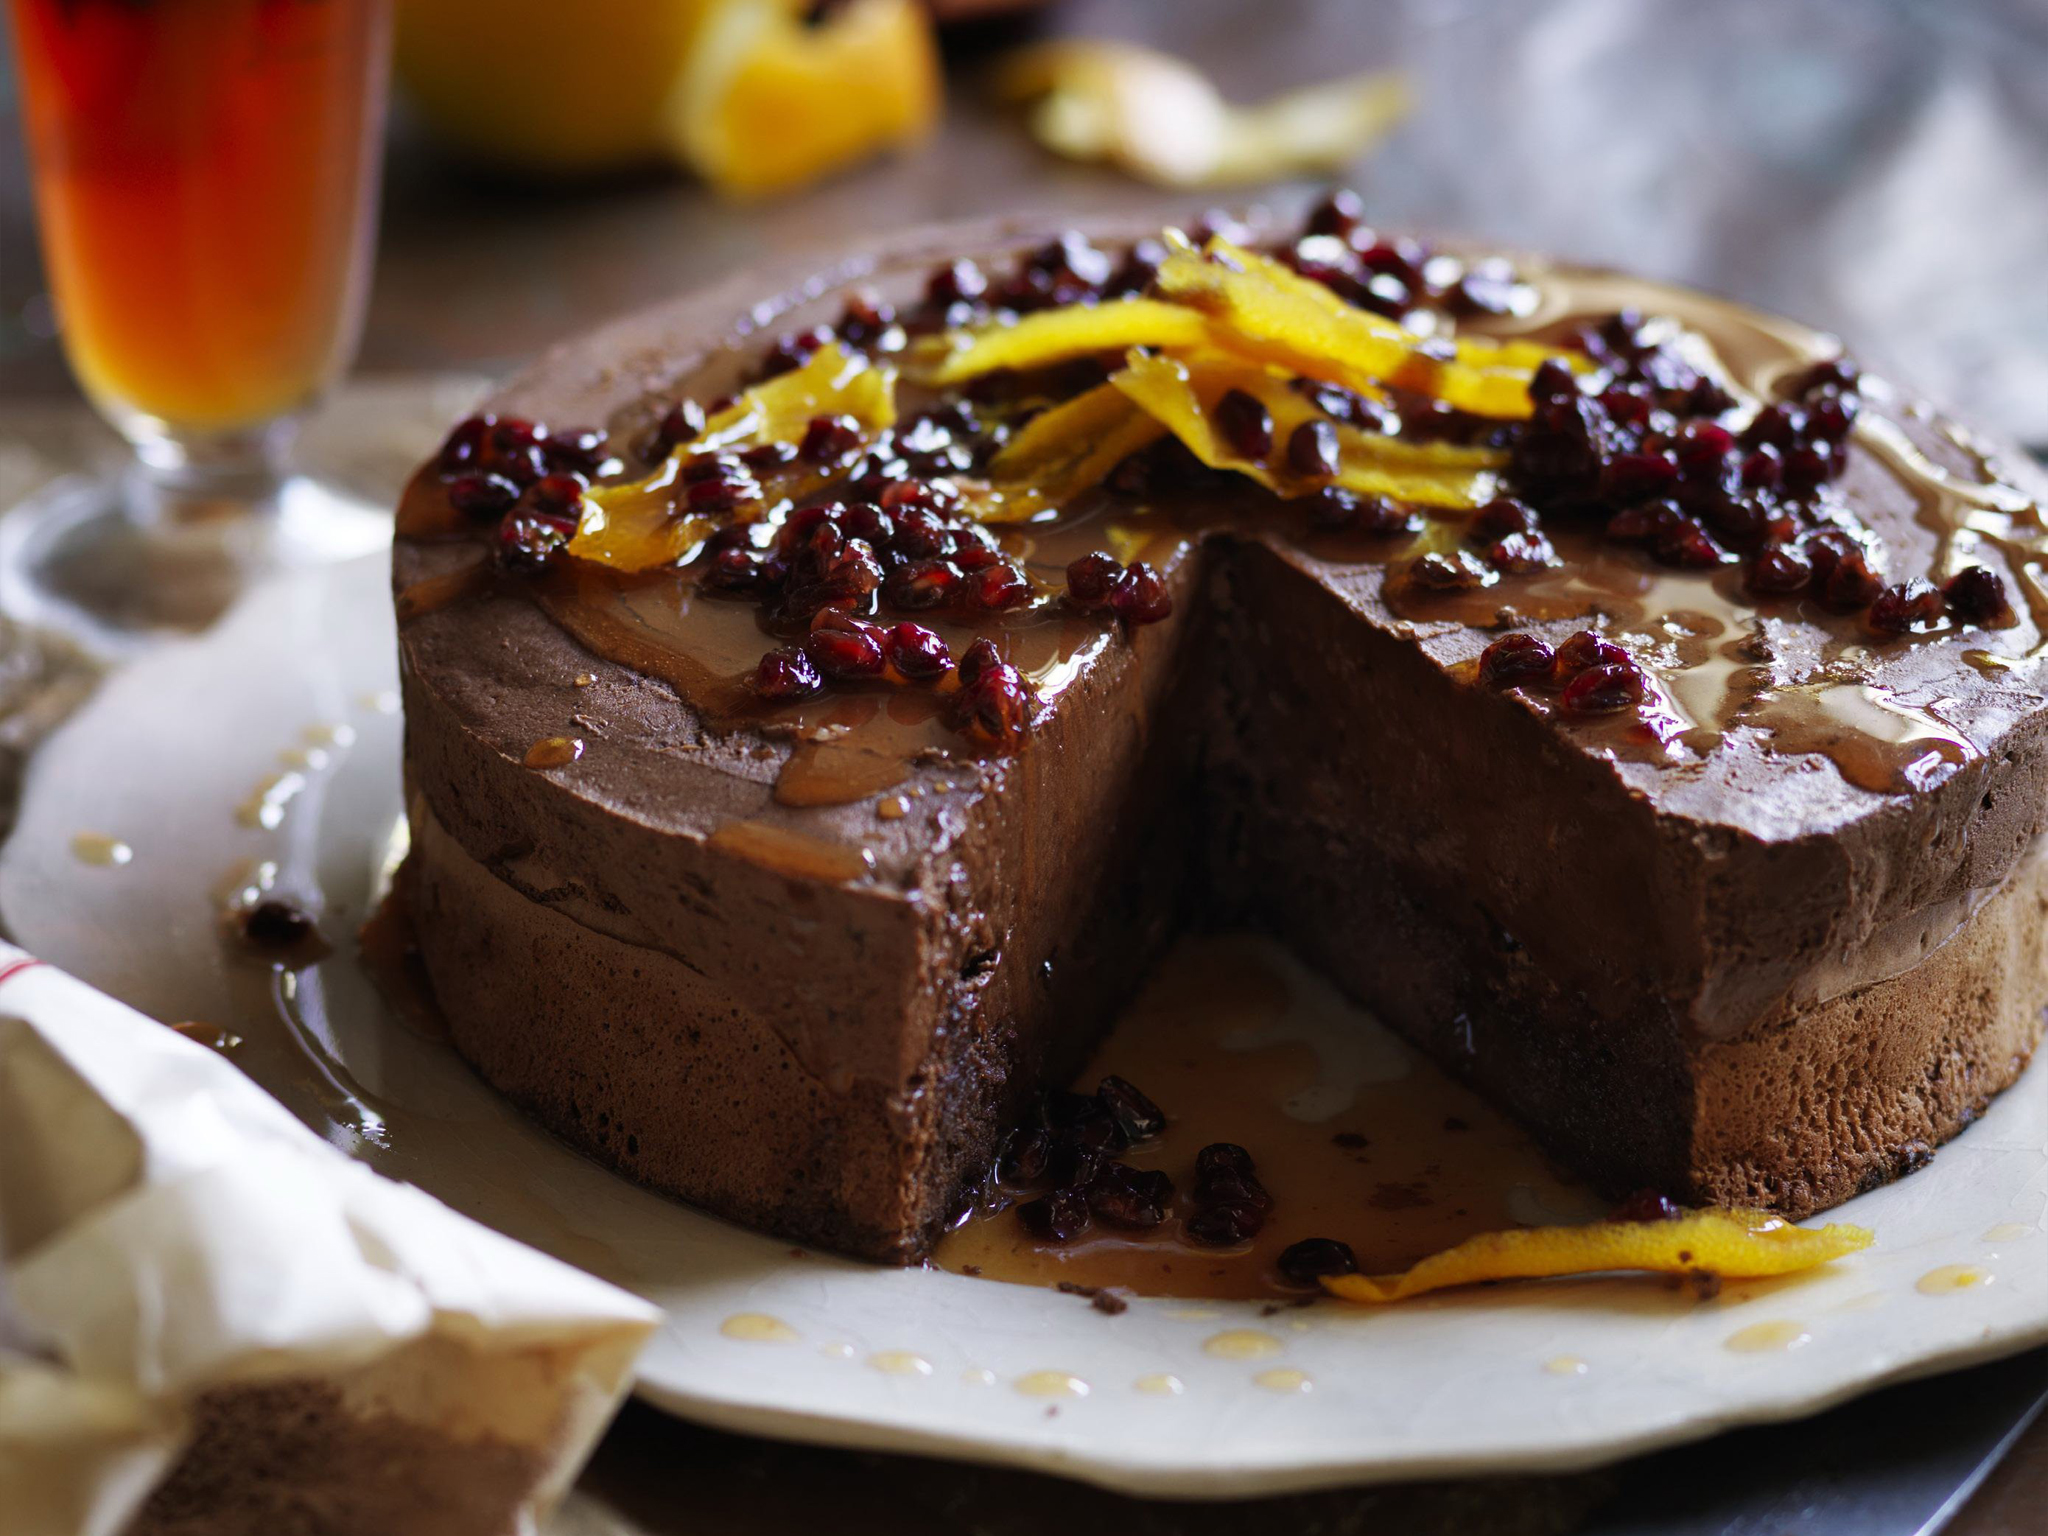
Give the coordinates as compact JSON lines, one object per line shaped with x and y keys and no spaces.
{"x":1308,"y":1261}
{"x":1246,"y":425}
{"x":829,"y":438}
{"x":787,"y":675}
{"x":1587,"y":649}
{"x":979,"y":656}
{"x":1976,"y":595}
{"x":528,"y":542}
{"x":918,"y":653}
{"x":1090,"y":578}
{"x":1339,"y":213}
{"x":1831,"y":415}
{"x":1647,"y":1205}
{"x":733,"y":570}
{"x":1139,"y":267}
{"x":1515,"y":659}
{"x":1553,"y":380}
{"x":956,"y":282}
{"x":1499,"y":518}
{"x":1634,"y":476}
{"x":864,"y":318}
{"x":1810,"y":466}
{"x":1779,"y":573}
{"x":1140,"y":595}
{"x":513,"y":434}
{"x":1136,"y":1116}
{"x":996,"y":587}
{"x":1024,"y":1157}
{"x":720,"y":495}
{"x":711,"y":466}
{"x":1778,"y":425}
{"x":482,"y":496}
{"x":994,"y":707}
{"x":1603,"y":690}
{"x":1910,"y":605}
{"x":683,"y":422}
{"x":793,"y":351}
{"x":1059,"y":1217}
{"x":769,"y":456}
{"x":557,"y":493}
{"x":1763,"y":468}
{"x":1224,"y":1157}
{"x":844,"y":651}
{"x":804,"y":525}
{"x":1312,"y":450}
{"x":1686,"y":544}
{"x":575,"y":449}
{"x":1705,"y":440}
{"x":1121,"y":1196}
{"x":920,"y":585}
{"x":1223,"y":1226}
{"x":1851,"y":583}
{"x":865,"y":520}
{"x":1455,"y":572}
{"x":464,"y":445}
{"x":1520,"y":553}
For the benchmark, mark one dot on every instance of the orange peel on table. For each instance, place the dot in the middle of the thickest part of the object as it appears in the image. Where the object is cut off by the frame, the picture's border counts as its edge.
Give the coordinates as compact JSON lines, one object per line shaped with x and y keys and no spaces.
{"x":1160,"y":119}
{"x":751,"y":94}
{"x":634,"y":526}
{"x":768,"y":101}
{"x":1731,"y":1244}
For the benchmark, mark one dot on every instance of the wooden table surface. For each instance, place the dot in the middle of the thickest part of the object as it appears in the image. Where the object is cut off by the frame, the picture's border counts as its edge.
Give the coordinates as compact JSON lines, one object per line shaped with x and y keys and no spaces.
{"x":478,"y":274}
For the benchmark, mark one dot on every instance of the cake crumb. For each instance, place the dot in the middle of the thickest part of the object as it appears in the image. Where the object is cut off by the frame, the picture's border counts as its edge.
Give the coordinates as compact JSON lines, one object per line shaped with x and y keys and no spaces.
{"x":1101,"y":1298}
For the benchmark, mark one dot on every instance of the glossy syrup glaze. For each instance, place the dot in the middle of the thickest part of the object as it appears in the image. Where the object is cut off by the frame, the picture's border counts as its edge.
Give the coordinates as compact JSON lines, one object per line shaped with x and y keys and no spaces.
{"x":1796,"y":675}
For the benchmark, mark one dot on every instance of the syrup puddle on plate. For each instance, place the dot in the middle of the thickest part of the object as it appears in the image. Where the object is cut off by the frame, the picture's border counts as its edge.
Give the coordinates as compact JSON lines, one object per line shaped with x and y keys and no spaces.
{"x":1356,"y":1136}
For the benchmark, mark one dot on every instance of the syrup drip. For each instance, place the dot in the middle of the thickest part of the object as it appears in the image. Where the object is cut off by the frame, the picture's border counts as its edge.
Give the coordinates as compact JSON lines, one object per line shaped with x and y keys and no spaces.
{"x":792,"y":853}
{"x":553,"y":752}
{"x":1877,"y":741}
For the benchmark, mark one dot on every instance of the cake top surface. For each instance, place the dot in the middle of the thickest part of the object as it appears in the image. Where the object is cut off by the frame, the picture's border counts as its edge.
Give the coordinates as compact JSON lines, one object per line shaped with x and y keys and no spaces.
{"x":872,"y":522}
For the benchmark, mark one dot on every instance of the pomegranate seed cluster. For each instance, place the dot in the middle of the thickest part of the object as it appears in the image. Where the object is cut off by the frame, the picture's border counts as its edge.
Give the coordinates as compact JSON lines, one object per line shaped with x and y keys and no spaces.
{"x":1062,"y":1166}
{"x":521,"y":483}
{"x":1589,"y":674}
{"x":1641,"y":447}
{"x":1396,"y":276}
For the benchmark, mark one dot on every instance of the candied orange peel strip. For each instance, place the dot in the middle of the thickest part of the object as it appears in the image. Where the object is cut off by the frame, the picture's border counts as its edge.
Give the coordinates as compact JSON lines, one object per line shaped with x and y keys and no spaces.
{"x":1066,"y":449}
{"x":634,"y":526}
{"x":1264,"y":310}
{"x":1733,"y":1244}
{"x":1183,"y":397}
{"x":1071,"y":331}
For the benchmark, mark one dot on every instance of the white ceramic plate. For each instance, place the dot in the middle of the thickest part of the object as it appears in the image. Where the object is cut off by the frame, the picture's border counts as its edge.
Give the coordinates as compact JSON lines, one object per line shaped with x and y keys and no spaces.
{"x":1536,"y":1376}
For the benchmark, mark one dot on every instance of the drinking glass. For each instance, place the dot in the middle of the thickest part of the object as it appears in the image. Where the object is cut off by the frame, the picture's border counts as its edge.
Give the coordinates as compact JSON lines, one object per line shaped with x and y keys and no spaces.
{"x":206,"y":177}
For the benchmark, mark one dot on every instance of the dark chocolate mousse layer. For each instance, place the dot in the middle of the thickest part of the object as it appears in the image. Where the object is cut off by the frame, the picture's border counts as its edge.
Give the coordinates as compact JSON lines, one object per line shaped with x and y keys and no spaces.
{"x":1765,"y":936}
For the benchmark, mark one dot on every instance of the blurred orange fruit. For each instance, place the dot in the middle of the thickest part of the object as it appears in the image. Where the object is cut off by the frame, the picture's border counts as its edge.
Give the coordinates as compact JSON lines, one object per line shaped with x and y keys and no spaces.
{"x":751,"y":94}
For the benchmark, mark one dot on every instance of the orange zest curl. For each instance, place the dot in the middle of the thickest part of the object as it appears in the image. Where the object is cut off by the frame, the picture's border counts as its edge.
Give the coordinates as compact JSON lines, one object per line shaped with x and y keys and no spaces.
{"x":1730,"y":1244}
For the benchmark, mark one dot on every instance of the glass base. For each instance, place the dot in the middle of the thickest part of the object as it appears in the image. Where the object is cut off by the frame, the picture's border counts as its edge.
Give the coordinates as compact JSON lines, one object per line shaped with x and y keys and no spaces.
{"x":116,"y":563}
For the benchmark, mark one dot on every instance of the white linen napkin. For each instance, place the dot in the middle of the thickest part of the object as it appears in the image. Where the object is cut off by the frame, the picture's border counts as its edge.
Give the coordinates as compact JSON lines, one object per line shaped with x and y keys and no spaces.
{"x":212,"y":1317}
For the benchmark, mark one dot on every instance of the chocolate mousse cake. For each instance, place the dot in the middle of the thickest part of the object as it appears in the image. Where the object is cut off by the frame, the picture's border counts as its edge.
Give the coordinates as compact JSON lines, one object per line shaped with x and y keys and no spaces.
{"x":827,"y":695}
